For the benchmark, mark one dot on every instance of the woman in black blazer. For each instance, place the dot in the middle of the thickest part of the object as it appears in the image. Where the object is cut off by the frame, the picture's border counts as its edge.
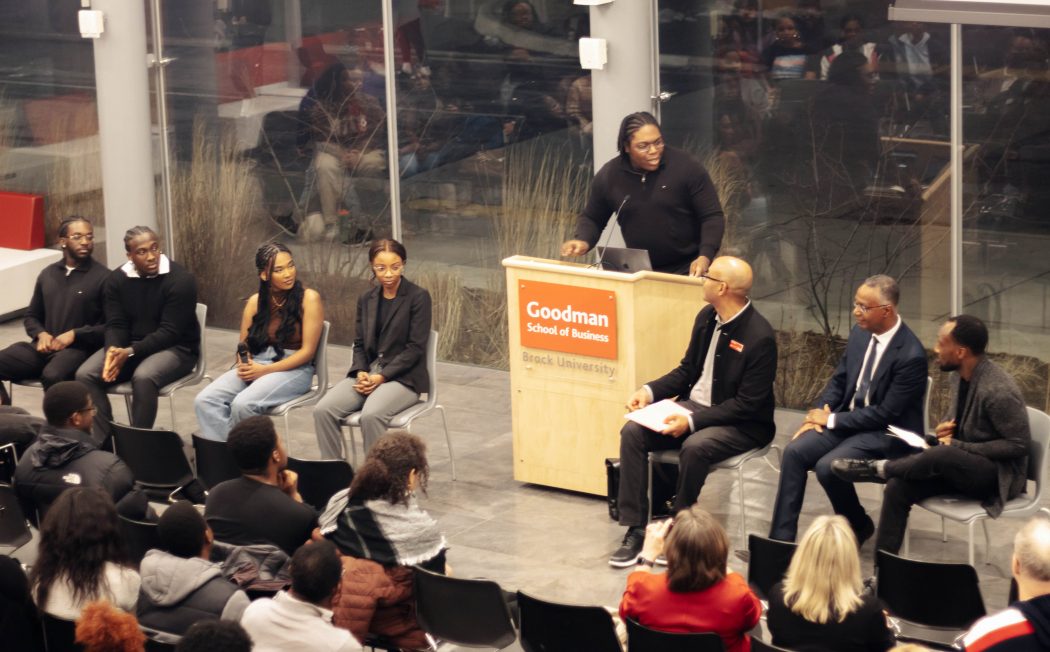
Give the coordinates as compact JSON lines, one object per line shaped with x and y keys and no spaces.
{"x":389,"y":370}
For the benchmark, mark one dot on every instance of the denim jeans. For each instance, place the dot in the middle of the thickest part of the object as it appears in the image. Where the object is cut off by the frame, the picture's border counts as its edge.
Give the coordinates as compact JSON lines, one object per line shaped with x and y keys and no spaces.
{"x":228,"y":399}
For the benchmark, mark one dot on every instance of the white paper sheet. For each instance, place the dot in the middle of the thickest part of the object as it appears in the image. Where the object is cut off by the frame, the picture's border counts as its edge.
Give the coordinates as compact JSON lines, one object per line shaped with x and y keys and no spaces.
{"x":652,"y":416}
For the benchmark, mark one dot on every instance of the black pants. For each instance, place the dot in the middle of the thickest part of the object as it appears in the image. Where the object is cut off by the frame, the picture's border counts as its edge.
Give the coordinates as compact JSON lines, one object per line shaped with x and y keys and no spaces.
{"x":933,"y":472}
{"x":147,"y":375}
{"x":699,"y":451}
{"x":21,"y":361}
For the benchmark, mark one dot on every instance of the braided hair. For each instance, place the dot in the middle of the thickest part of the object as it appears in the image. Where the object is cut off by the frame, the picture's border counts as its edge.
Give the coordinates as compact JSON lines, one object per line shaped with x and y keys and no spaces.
{"x":135,"y":232}
{"x":63,"y":227}
{"x":258,"y":332}
{"x":631,"y":124}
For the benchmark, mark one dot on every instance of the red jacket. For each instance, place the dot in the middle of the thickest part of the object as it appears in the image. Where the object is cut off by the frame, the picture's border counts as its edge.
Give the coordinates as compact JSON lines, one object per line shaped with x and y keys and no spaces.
{"x":378,"y":600}
{"x":728,"y":608}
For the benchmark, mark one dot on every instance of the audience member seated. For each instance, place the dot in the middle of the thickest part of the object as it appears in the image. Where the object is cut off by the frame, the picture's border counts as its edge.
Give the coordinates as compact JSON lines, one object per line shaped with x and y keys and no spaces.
{"x":820,"y":606}
{"x":179,"y":585}
{"x":152,"y":335}
{"x":389,"y":370}
{"x":1025,"y":625}
{"x":383,"y":532}
{"x":104,"y":628}
{"x":281,"y":327}
{"x":696,"y":594}
{"x":981,"y":448}
{"x":301,"y":619}
{"x":215,"y":636}
{"x":64,"y":320}
{"x":880,"y":381}
{"x":726,"y":414}
{"x":263,"y":505}
{"x":82,"y":556}
{"x":65,"y":454}
{"x":19,"y":621}
{"x":785,"y":57}
{"x":18,"y":427}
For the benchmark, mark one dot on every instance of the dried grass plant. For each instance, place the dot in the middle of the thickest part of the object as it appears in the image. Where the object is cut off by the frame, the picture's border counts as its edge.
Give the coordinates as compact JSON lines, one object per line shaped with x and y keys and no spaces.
{"x":446,"y":294}
{"x":215,"y":197}
{"x":340,"y":274}
{"x":805,"y":362}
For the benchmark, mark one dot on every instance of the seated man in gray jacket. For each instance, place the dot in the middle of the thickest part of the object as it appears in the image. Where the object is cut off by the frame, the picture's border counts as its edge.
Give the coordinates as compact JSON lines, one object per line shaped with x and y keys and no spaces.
{"x":179,"y":585}
{"x":980,"y":451}
{"x":65,"y":454}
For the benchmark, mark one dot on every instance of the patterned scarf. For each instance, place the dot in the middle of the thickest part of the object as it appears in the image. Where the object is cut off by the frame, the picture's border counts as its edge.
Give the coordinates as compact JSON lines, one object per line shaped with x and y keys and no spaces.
{"x":387,"y":533}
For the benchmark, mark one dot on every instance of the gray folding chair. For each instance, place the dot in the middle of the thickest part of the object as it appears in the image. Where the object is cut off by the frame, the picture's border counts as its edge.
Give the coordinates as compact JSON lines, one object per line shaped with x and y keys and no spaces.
{"x":195,"y":377}
{"x":316,"y":392}
{"x":969,"y":511}
{"x":421,"y":408}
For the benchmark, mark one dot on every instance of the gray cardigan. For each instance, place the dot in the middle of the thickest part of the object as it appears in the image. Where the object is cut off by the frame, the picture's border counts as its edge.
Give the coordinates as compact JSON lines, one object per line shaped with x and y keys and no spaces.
{"x":994,"y":424}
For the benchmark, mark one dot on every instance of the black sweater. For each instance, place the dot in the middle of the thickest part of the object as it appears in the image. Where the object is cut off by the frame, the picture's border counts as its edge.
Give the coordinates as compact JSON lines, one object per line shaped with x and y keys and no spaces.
{"x":673,"y":212}
{"x":73,"y":301}
{"x":864,"y":630}
{"x":154,"y":313}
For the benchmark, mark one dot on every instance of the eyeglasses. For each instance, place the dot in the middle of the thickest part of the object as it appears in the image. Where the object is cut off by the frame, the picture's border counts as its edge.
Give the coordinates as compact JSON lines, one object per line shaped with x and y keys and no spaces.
{"x":645,"y":147}
{"x":81,"y":237}
{"x":381,"y":269}
{"x":864,"y":309}
{"x":87,"y":409}
{"x":711,"y":278}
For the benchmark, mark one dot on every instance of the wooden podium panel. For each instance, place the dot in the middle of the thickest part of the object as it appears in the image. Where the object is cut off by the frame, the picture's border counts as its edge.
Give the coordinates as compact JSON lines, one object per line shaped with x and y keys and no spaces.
{"x":567,"y":408}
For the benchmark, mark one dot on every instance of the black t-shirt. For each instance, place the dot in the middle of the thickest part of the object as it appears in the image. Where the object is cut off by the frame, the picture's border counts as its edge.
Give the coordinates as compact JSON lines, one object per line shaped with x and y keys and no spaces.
{"x":244,"y":511}
{"x":864,"y":630}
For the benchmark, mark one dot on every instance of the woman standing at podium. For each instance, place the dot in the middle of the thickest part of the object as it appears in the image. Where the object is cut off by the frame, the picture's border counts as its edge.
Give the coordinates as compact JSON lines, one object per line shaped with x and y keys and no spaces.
{"x":663,"y":199}
{"x":389,"y":370}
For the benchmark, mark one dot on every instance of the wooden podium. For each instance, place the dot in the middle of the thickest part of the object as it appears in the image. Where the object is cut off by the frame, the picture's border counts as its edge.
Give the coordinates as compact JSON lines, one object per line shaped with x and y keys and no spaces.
{"x":573,"y":364}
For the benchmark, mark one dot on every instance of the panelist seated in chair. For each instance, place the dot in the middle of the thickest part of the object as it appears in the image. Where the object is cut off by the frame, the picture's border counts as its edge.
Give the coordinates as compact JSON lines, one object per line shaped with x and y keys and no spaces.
{"x":152,"y":337}
{"x":880,"y":381}
{"x":65,"y":454}
{"x":64,"y":321}
{"x":725,"y":381}
{"x":389,"y":370}
{"x":281,"y":328}
{"x":981,"y":449}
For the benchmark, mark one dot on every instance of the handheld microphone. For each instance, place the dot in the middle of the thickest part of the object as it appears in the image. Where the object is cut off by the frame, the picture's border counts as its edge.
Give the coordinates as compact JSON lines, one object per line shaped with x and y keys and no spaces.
{"x":242,"y":352}
{"x":608,"y":235}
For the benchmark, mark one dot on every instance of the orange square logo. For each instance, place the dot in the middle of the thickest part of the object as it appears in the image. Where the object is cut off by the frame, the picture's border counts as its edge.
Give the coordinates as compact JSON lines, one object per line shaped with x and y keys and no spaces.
{"x":569,"y":319}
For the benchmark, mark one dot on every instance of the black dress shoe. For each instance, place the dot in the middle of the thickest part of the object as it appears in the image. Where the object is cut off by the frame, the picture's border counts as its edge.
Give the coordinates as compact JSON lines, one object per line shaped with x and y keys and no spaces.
{"x":865,"y":531}
{"x":627,"y":554}
{"x":856,"y":470}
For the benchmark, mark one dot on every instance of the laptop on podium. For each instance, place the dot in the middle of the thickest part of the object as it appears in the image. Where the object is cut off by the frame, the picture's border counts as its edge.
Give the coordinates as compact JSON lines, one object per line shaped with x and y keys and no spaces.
{"x":621,"y":259}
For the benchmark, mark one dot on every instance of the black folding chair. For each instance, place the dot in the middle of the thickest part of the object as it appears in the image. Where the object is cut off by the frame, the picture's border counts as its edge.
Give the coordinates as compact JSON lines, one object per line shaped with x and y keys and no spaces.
{"x":758,"y":645}
{"x":14,"y":529}
{"x":916,"y":592}
{"x":470,"y":613}
{"x":643,"y":639}
{"x":319,"y":480}
{"x":139,"y":538}
{"x":59,"y":634}
{"x":768,"y":563}
{"x":214,"y":462}
{"x":156,"y":459}
{"x":554,"y":627}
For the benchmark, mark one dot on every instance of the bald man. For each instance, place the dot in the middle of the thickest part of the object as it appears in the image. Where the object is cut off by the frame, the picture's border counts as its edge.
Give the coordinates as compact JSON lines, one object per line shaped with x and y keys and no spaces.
{"x":725,"y":381}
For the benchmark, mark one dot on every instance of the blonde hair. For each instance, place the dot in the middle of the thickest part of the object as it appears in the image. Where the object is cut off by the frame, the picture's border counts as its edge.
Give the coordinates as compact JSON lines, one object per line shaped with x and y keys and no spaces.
{"x":823,"y":580}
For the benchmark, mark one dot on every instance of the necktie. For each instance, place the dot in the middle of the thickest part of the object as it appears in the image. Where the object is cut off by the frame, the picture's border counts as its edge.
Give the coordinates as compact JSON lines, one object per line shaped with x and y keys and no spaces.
{"x":865,"y":376}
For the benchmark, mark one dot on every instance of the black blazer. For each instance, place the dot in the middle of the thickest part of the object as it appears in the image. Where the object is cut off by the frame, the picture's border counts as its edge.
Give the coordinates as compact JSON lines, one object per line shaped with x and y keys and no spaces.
{"x":897,"y":388}
{"x":744,"y":369}
{"x":401,"y":348}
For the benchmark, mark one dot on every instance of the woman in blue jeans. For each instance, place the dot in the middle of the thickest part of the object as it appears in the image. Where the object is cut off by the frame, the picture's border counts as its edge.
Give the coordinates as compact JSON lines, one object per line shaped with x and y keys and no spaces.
{"x":281,"y":327}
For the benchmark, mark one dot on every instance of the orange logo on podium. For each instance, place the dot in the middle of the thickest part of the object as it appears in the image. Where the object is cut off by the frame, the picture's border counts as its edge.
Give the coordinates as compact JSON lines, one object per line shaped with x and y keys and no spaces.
{"x":568,"y":319}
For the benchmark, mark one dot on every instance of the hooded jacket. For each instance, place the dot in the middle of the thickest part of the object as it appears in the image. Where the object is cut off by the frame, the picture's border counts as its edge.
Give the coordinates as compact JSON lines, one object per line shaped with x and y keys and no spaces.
{"x":177,"y":592}
{"x":61,"y":458}
{"x":1024,"y":626}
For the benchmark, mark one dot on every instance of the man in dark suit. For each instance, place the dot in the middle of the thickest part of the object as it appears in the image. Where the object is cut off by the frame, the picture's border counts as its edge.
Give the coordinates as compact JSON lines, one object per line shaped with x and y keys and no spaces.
{"x":880,"y":381}
{"x":725,"y":381}
{"x":981,"y":449}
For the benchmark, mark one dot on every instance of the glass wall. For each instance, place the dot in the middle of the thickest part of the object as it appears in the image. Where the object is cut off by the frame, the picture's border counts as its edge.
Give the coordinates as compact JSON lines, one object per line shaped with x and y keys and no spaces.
{"x":48,"y":120}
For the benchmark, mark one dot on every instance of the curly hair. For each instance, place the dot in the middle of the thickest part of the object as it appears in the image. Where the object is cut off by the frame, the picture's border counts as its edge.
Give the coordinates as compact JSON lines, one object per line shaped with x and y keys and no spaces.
{"x":104,"y":628}
{"x":79,"y":535}
{"x":384,"y":475}
{"x":258,"y":332}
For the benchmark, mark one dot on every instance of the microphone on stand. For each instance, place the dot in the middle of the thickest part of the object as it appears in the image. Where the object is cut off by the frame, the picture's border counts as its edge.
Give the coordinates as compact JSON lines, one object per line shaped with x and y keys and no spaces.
{"x":608,"y":235}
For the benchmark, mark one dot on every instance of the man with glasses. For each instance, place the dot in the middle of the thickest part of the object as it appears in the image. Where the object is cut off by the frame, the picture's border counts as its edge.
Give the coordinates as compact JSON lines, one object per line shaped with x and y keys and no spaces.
{"x":65,"y":455}
{"x":663,"y":198}
{"x":64,"y":320}
{"x":725,"y":385}
{"x":879,"y":382}
{"x":152,"y":337}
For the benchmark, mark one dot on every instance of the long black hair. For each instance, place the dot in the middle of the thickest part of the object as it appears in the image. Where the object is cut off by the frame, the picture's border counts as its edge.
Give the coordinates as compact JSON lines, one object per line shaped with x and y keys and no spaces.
{"x":328,"y":88}
{"x":79,"y":535}
{"x":384,"y":475}
{"x":258,"y":332}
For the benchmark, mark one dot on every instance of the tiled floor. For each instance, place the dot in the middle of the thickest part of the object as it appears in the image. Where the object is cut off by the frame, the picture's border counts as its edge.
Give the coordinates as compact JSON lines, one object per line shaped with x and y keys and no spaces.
{"x":551,"y":543}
